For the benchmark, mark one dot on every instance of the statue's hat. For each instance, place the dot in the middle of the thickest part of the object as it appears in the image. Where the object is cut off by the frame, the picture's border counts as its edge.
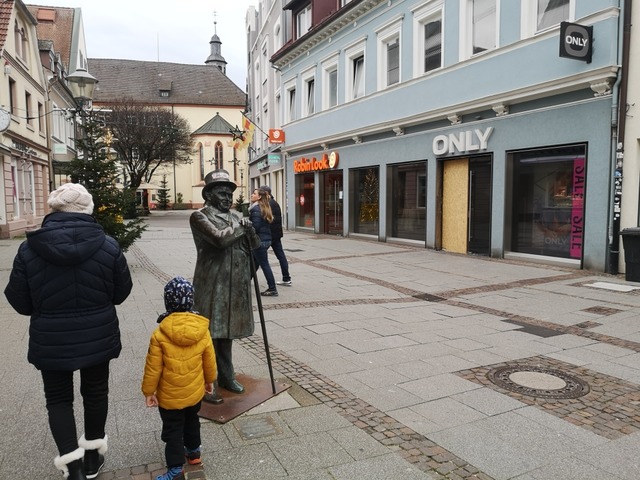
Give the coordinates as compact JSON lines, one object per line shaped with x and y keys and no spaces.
{"x":217,"y":178}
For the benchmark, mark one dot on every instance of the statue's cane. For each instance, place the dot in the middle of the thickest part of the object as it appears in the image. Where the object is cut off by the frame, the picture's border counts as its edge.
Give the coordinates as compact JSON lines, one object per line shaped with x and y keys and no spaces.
{"x":262,"y":323}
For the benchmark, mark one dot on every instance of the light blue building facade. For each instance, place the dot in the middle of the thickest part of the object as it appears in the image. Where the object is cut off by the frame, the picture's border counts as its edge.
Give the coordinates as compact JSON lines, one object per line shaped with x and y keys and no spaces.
{"x":455,"y":124}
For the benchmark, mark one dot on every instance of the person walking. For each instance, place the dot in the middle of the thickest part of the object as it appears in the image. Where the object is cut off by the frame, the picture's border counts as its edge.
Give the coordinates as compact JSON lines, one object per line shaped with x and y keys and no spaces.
{"x":261,"y":218}
{"x":179,"y":369}
{"x":276,"y":238}
{"x":68,"y":276}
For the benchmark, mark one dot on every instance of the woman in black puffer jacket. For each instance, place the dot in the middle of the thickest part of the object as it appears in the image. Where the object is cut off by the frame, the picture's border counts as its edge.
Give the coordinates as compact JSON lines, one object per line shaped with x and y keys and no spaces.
{"x":68,"y":276}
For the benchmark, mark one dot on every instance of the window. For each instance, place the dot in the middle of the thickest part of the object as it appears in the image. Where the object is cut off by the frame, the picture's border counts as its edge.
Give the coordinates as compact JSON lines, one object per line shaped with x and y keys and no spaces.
{"x":548,"y":191}
{"x":27,"y":108}
{"x":40,"y":116}
{"x":354,"y":72}
{"x":330,"y":83}
{"x":427,"y":27}
{"x":551,"y":12}
{"x":310,"y":95}
{"x":365,"y":186}
{"x":393,"y":61}
{"x":358,"y":76}
{"x":13,"y":107}
{"x":484,"y":26}
{"x":218,"y":154}
{"x":389,"y":55}
{"x":201,"y":160}
{"x":290,"y":102}
{"x":408,"y":201}
{"x":303,"y":21}
{"x":539,"y":15}
{"x":333,"y":88}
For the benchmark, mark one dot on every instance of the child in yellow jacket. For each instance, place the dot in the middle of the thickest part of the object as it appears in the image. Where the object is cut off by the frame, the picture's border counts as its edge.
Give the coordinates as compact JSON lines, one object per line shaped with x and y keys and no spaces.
{"x":180,"y":368}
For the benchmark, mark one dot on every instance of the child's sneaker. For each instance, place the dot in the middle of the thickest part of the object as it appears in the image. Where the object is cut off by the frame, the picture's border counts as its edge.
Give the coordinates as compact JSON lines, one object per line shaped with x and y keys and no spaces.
{"x":193,"y":456}
{"x":174,"y":473}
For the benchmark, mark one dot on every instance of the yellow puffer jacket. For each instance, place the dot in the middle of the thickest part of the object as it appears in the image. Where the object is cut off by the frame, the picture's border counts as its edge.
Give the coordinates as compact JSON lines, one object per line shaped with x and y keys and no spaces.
{"x":180,"y":361}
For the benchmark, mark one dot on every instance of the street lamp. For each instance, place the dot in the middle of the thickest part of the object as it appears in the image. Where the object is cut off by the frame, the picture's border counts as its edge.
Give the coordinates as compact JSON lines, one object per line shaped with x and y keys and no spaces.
{"x":82,"y":85}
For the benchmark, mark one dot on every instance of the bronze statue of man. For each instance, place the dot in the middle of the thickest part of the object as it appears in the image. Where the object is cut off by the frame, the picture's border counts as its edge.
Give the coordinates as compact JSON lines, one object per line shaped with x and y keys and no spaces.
{"x":222,"y":278}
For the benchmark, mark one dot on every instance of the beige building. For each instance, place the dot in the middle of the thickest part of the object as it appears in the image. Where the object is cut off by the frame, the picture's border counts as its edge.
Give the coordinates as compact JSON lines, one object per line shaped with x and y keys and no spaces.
{"x":203,"y":95}
{"x":24,"y":149}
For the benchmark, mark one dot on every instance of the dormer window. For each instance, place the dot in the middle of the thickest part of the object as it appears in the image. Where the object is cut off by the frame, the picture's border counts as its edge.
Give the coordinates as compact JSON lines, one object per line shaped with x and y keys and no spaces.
{"x":303,"y":21}
{"x":165,"y":88}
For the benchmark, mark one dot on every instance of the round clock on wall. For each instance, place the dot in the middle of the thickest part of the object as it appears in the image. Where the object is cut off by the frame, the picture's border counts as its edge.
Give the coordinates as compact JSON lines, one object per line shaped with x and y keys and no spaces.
{"x":5,"y":120}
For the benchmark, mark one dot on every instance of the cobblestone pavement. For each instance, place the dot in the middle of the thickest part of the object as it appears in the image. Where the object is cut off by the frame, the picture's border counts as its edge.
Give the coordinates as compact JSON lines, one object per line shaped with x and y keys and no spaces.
{"x":403,"y":363}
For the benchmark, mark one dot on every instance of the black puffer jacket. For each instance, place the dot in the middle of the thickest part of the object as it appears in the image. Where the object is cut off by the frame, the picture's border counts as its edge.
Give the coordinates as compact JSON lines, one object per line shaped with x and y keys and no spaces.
{"x":68,"y":275}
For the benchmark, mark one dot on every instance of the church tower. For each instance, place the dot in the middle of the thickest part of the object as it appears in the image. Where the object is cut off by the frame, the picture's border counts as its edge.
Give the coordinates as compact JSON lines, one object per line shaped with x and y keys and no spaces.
{"x":215,"y":58}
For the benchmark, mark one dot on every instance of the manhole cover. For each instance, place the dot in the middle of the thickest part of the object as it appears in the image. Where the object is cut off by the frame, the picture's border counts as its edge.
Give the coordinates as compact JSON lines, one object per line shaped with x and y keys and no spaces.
{"x":538,"y":382}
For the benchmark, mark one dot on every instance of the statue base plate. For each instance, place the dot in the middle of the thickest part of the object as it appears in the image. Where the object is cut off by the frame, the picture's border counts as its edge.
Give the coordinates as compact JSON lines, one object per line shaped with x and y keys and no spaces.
{"x":256,"y":391}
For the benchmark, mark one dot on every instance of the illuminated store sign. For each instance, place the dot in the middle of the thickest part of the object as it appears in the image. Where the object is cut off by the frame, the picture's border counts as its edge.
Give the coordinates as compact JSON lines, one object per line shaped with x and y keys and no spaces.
{"x":326,"y":162}
{"x":462,"y":142}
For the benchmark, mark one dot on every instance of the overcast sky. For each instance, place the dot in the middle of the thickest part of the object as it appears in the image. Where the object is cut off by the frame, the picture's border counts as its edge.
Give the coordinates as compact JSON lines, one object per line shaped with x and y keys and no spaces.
{"x":162,"y":30}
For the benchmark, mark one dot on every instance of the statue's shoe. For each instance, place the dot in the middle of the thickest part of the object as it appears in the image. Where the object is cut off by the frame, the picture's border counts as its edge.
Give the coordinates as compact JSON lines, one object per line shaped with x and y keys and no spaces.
{"x":231,"y":385}
{"x":214,"y":398}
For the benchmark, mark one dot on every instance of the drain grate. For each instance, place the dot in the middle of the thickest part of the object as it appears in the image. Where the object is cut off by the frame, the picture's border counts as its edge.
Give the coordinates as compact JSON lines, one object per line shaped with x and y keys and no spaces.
{"x":572,"y":387}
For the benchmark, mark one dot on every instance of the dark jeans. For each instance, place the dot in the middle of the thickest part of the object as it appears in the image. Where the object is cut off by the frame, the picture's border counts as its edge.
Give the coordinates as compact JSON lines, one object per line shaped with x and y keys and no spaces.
{"x":262,"y":261}
{"x":276,"y":245}
{"x":180,"y":428}
{"x":58,"y":391}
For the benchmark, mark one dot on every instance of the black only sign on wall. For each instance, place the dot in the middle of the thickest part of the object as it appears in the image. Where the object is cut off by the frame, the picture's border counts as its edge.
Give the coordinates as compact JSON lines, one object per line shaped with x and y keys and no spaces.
{"x":576,"y":41}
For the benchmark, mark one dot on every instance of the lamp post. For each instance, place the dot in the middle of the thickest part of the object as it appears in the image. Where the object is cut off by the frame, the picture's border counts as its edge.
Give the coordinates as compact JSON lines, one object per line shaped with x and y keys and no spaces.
{"x":82,"y":85}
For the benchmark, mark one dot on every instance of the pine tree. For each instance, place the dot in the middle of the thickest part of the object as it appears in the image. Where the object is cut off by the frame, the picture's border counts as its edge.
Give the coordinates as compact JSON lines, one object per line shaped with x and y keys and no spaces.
{"x":163,"y":193}
{"x":98,"y":173}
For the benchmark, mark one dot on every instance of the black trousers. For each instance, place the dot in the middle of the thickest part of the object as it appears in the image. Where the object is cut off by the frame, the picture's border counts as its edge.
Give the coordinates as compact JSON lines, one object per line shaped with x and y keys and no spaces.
{"x":58,"y":392}
{"x":180,"y":429}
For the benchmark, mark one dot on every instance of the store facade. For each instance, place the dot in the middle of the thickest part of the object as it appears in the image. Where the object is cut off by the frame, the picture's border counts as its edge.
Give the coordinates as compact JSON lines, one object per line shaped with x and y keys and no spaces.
{"x":533,"y":184}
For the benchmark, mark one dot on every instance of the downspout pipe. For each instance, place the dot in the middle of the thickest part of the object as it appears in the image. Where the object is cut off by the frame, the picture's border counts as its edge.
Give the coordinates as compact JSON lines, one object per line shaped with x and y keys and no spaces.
{"x":619,"y":117}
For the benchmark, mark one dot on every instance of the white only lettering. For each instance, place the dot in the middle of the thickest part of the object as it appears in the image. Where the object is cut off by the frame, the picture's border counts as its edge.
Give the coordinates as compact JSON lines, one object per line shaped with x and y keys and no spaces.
{"x":581,"y":42}
{"x":467,"y":141}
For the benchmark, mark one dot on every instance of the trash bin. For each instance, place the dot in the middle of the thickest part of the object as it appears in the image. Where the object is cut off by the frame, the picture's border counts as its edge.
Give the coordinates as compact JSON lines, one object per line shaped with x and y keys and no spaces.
{"x":631,"y":242}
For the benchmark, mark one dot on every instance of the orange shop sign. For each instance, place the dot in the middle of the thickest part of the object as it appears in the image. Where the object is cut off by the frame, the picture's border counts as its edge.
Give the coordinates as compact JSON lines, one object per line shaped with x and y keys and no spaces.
{"x":276,"y":135}
{"x":326,"y":162}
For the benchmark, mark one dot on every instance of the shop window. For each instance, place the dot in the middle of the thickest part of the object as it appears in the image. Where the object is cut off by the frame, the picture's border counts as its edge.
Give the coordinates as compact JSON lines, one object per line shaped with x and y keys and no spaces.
{"x":408,"y":217}
{"x":548,"y":208}
{"x":305,"y":201}
{"x":365,"y":187}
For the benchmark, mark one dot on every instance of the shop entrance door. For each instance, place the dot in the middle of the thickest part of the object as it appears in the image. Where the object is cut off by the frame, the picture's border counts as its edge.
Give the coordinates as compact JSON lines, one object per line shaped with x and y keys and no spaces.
{"x":466,"y":205}
{"x":332,"y":202}
{"x":480,"y":206}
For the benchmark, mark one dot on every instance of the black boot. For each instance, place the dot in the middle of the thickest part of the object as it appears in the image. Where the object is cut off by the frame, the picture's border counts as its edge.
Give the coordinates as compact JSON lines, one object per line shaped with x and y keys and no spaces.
{"x":76,"y":470}
{"x":93,"y":455}
{"x":71,"y":465}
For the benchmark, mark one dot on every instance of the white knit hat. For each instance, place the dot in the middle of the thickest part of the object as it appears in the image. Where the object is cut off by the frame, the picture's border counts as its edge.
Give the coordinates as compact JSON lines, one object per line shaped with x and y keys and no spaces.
{"x":71,"y":197}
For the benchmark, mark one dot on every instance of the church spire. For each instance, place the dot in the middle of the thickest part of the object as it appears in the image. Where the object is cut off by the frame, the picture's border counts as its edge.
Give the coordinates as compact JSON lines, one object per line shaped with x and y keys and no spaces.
{"x":215,"y":58}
